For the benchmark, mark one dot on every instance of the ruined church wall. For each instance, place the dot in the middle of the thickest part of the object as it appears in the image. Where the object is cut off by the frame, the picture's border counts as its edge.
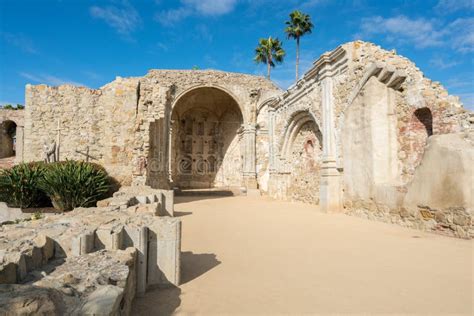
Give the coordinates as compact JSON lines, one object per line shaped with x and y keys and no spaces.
{"x":125,"y":124}
{"x":100,"y":122}
{"x":385,"y":112}
{"x":295,"y":174}
{"x":374,"y":109}
{"x":159,"y":91}
{"x":417,"y":92}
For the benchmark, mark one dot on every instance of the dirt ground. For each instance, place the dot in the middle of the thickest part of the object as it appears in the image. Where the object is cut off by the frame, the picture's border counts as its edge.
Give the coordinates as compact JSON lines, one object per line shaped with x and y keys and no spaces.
{"x":255,"y":256}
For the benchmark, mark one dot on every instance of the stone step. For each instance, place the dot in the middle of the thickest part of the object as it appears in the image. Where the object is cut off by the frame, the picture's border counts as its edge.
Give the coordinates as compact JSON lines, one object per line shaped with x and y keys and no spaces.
{"x":207,"y":192}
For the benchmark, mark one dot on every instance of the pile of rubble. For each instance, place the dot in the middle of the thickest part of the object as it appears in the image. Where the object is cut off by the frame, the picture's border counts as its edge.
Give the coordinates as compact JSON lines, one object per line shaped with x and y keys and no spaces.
{"x":91,"y":260}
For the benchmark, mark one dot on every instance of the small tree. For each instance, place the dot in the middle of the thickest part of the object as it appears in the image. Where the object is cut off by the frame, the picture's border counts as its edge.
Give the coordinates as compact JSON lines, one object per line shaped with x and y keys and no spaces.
{"x":269,"y":51}
{"x":299,"y":25}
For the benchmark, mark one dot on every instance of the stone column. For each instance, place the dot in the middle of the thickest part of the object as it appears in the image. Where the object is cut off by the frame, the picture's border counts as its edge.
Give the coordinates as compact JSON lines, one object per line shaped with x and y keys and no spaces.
{"x":271,"y":133}
{"x":19,"y":144}
{"x":330,"y":186}
{"x":249,"y":168}
{"x":170,"y":151}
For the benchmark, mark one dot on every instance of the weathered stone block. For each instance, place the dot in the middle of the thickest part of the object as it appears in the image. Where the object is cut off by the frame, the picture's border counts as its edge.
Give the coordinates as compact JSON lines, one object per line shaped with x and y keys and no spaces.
{"x":104,"y":301}
{"x":8,"y":273}
{"x":164,"y":252}
{"x":46,"y":245}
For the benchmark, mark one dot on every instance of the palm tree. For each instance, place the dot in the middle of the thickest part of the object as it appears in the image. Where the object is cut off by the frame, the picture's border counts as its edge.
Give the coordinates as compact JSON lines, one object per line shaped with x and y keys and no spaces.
{"x":269,"y":51}
{"x":299,"y":25}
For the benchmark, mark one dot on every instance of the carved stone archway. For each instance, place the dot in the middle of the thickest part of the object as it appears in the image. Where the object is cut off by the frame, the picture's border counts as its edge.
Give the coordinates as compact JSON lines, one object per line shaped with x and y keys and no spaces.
{"x":205,"y":147}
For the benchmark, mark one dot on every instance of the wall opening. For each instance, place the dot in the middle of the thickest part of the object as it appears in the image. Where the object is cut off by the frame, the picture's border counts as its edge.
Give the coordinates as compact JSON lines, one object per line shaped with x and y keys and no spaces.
{"x":205,"y":144}
{"x":425,"y":117}
{"x":8,"y":139}
{"x":303,"y":152}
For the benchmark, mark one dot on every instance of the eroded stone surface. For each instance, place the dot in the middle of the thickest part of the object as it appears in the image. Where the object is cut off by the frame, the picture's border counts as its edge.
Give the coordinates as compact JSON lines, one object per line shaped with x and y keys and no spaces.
{"x":100,"y":283}
{"x":91,"y":260}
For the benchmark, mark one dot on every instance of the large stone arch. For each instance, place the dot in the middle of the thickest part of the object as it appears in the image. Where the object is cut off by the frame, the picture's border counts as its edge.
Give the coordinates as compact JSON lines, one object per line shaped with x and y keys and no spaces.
{"x":187,"y":89}
{"x":300,"y":154}
{"x":11,"y":134}
{"x":205,"y":144}
{"x":8,"y":130}
{"x":293,"y":125}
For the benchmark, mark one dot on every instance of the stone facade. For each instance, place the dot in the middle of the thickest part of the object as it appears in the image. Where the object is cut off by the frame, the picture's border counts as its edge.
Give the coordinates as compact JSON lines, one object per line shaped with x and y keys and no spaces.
{"x":378,"y":114}
{"x":137,"y":127}
{"x":349,"y":136}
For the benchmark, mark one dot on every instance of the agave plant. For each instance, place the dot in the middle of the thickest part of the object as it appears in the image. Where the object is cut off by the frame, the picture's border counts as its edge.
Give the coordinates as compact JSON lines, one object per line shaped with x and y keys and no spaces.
{"x":72,"y":184}
{"x":19,"y":186}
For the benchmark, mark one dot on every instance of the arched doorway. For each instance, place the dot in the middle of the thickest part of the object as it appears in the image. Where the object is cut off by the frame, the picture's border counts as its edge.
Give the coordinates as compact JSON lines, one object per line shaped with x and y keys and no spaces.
{"x":205,"y":144}
{"x":8,"y":139}
{"x":302,"y":150}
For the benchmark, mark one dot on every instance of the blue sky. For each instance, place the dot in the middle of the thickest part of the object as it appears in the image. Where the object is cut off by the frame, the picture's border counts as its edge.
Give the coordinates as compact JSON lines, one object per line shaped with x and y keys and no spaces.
{"x":90,"y":42}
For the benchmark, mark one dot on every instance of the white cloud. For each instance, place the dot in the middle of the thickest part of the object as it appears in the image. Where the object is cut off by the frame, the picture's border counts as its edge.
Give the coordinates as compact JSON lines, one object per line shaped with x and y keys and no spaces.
{"x":449,"y":6}
{"x":312,"y":3}
{"x":171,"y":17}
{"x":195,"y":7}
{"x":420,"y":32}
{"x":202,"y":31}
{"x":124,"y":18}
{"x":439,"y":62}
{"x":19,"y":40}
{"x":211,"y":7}
{"x":461,"y":32}
{"x":49,"y":79}
{"x":401,"y":29}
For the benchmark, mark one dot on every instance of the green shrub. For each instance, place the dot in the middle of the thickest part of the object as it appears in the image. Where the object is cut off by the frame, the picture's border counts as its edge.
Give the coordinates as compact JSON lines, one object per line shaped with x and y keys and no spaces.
{"x":72,"y":184}
{"x":19,"y":186}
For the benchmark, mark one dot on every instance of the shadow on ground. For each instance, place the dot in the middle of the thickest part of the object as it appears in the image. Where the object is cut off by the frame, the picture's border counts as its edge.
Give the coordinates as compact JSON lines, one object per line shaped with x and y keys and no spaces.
{"x":179,"y":214}
{"x":159,"y":301}
{"x":178,"y":199}
{"x":166,"y":301}
{"x":194,"y":265}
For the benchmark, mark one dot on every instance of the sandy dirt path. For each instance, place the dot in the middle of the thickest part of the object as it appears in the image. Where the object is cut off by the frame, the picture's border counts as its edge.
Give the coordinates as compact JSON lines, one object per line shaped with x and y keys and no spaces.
{"x":255,"y":256}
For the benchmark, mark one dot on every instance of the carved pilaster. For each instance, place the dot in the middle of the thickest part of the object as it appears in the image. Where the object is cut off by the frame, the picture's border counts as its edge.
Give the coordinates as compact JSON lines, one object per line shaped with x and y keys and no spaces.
{"x":249,"y":156}
{"x":330,"y":185}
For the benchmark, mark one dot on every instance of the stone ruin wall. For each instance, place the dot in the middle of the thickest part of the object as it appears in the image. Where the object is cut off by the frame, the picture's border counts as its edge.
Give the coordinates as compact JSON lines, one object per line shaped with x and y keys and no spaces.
{"x":125,"y":124}
{"x":383,"y":199}
{"x":295,"y":174}
{"x":101,"y":122}
{"x":417,"y":92}
{"x":388,"y":201}
{"x":91,"y":261}
{"x":114,"y":122}
{"x":160,"y":89}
